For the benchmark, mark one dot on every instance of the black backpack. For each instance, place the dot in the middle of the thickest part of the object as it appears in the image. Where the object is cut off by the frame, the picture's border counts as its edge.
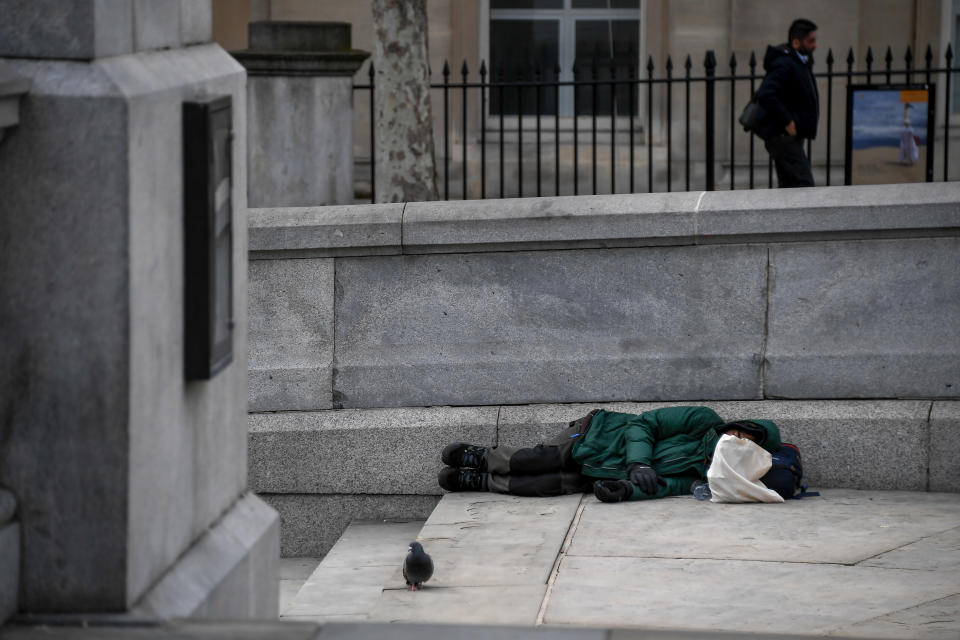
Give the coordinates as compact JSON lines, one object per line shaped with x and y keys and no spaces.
{"x":786,"y":475}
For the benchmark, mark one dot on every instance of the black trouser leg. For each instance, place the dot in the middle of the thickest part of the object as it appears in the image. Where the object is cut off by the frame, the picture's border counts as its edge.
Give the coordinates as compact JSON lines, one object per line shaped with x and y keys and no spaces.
{"x":556,"y":483}
{"x":547,"y":469}
{"x":790,"y":161}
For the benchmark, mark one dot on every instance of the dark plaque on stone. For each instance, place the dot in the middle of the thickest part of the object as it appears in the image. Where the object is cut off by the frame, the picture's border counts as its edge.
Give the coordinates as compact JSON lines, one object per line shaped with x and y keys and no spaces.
{"x":208,"y":236}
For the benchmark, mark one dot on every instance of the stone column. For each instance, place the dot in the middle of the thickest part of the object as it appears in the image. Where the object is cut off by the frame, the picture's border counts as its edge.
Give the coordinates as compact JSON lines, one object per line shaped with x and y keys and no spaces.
{"x":130,"y":480}
{"x":300,"y":105}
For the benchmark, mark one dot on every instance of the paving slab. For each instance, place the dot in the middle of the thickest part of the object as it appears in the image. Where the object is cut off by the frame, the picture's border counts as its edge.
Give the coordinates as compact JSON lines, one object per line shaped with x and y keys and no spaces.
{"x":940,"y":552}
{"x":489,"y":539}
{"x":298,"y":568}
{"x":847,"y":563}
{"x":487,"y":508}
{"x":293,"y":573}
{"x":348,"y":582}
{"x":842,"y":526}
{"x":339,"y":591}
{"x":501,"y":605}
{"x":375,"y":630}
{"x":735,"y":595}
{"x":167,"y":630}
{"x":935,"y":620}
{"x":373,"y":544}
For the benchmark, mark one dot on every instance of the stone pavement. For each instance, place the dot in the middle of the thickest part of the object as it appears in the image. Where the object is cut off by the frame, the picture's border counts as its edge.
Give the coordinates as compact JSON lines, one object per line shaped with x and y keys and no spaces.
{"x":847,"y":563}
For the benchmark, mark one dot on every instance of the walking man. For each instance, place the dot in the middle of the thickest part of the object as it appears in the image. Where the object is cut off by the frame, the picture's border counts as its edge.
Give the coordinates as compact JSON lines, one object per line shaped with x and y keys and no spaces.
{"x":789,"y":98}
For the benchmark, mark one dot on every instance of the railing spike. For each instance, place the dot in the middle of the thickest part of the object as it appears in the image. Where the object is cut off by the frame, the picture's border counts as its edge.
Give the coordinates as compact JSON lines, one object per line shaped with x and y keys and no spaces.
{"x":688,"y":64}
{"x":908,"y":56}
{"x":650,"y":66}
{"x":928,"y":56}
{"x":463,"y":69}
{"x":753,"y":62}
{"x":829,"y":56}
{"x":949,"y":54}
{"x":733,"y":60}
{"x":446,"y":69}
{"x":850,"y":58}
{"x":370,"y":70}
{"x":889,"y":57}
{"x":669,"y":63}
{"x":483,"y":68}
{"x":869,"y":57}
{"x":710,"y":60}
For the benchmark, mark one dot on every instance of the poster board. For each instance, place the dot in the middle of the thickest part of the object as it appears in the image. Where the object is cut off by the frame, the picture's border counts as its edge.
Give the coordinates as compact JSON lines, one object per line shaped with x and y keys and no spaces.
{"x":890,"y":133}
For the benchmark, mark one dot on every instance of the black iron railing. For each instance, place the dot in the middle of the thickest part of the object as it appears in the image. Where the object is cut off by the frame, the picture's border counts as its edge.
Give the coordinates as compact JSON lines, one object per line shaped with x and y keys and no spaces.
{"x":586,"y":87}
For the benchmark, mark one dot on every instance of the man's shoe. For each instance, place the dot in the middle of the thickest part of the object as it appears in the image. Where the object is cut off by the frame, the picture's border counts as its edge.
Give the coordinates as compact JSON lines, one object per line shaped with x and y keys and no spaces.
{"x":463,"y":455}
{"x":462,"y":479}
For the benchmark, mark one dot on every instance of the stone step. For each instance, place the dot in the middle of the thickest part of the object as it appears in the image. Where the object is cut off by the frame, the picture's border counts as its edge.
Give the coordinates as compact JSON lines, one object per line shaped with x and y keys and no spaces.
{"x":491,"y":553}
{"x":849,"y":563}
{"x":347,"y":583}
{"x":323,"y":469}
{"x":493,"y":556}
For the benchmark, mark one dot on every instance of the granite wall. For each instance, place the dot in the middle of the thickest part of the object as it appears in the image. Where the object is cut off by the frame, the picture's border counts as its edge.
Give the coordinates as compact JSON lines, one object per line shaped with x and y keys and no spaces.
{"x":380,"y":332}
{"x":827,"y":293}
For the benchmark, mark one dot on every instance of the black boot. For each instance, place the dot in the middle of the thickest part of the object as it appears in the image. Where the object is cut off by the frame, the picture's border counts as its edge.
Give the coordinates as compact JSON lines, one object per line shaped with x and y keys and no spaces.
{"x":463,"y":455}
{"x":462,"y":479}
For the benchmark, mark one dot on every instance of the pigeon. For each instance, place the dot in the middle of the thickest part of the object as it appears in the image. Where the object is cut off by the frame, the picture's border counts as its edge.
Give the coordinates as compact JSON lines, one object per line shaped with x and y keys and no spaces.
{"x":418,"y":567}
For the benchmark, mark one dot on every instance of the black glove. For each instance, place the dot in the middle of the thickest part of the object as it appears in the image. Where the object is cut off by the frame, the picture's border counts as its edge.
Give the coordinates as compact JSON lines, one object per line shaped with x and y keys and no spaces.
{"x":612,"y":490}
{"x":645,"y":478}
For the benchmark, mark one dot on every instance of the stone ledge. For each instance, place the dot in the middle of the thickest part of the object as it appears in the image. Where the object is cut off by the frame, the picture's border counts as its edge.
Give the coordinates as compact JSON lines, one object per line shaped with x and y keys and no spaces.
{"x":861,"y":212}
{"x":230,"y":572}
{"x":289,"y":63}
{"x":359,"y":451}
{"x":323,"y":232}
{"x":638,"y":220}
{"x":560,"y":222}
{"x":857,"y":444}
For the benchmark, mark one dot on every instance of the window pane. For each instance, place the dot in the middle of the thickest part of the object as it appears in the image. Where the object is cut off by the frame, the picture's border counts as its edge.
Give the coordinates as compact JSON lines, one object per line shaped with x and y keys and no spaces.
{"x":517,"y":47}
{"x":606,"y":4}
{"x":614,"y":45}
{"x":526,"y":4}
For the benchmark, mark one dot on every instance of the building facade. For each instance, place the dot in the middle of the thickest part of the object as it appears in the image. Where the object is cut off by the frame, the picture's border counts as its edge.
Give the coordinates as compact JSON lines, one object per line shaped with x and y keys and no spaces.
{"x":548,"y":39}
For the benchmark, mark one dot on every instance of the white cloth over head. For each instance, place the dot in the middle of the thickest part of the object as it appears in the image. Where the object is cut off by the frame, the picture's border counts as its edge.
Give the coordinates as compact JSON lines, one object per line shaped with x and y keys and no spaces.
{"x":734,"y":475}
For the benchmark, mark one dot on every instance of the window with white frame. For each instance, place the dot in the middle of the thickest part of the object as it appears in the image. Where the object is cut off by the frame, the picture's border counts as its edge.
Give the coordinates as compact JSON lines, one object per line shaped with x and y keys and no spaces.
{"x":531,"y":39}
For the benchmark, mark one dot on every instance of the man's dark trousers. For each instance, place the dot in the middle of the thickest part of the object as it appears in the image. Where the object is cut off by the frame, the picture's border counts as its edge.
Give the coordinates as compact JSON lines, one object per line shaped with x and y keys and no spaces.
{"x":548,"y":469}
{"x":793,"y":168}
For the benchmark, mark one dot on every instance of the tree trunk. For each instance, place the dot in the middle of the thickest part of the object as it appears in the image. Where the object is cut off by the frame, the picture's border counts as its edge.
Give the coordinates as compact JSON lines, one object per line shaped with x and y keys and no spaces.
{"x":405,"y":169}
